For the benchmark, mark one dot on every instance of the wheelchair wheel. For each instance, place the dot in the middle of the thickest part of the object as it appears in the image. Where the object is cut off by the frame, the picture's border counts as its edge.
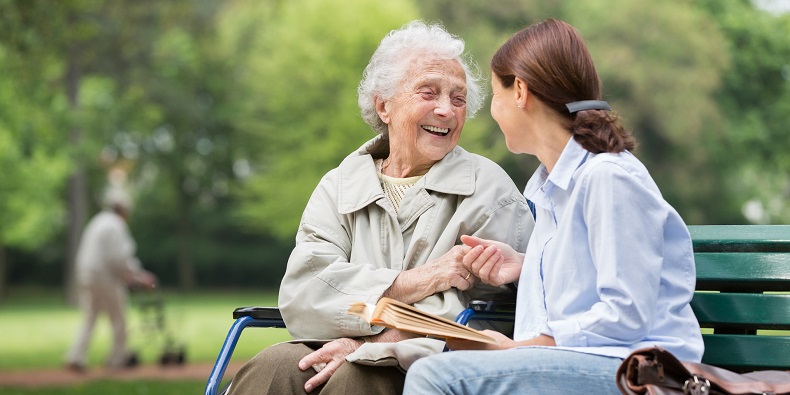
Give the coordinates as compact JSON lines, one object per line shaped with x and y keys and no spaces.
{"x":173,"y":357}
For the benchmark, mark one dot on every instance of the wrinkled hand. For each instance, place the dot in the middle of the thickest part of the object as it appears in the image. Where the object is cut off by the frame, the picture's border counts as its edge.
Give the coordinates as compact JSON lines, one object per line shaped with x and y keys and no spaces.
{"x":493,"y":262}
{"x":333,"y":354}
{"x":447,"y":271}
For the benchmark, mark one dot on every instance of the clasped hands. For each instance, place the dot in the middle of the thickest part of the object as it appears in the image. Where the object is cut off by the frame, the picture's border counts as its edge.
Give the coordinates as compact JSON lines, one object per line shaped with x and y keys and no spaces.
{"x":493,"y":262}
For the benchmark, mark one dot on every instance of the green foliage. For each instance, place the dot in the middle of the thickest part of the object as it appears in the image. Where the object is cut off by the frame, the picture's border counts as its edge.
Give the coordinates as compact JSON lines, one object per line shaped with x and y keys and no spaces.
{"x":755,"y":97}
{"x":225,"y":114}
{"x":658,"y":60}
{"x":484,"y":27}
{"x":33,"y":168}
{"x":298,"y":97}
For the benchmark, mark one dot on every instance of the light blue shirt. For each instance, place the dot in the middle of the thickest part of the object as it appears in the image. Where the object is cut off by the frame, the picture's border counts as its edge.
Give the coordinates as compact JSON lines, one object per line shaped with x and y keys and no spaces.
{"x":609,"y":267}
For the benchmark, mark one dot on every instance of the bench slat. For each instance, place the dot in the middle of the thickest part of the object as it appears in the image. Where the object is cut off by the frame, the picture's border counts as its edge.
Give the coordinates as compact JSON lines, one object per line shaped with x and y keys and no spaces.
{"x":740,"y":238}
{"x":747,"y":352}
{"x":744,"y":271}
{"x":742,"y":311}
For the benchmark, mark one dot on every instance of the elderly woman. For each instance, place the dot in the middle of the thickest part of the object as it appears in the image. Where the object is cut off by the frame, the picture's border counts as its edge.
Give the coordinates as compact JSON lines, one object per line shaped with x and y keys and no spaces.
{"x":387,"y":222}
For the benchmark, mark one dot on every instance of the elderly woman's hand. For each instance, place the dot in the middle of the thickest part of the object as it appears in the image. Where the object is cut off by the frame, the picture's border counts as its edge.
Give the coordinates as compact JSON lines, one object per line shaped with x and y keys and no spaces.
{"x":447,"y":271}
{"x":332,"y":355}
{"x":491,"y":261}
{"x":328,"y":359}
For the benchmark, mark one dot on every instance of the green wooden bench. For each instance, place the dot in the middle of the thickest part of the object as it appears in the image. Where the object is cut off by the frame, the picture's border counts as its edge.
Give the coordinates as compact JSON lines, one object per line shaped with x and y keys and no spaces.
{"x":743,"y":295}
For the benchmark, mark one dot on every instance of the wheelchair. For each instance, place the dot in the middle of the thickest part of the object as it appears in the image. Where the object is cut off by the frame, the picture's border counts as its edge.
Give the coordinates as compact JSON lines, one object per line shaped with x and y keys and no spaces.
{"x":270,"y":317}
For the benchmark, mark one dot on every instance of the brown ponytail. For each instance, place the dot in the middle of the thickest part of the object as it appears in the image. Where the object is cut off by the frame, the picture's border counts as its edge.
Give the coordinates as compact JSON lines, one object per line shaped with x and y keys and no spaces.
{"x":553,"y":60}
{"x":600,"y":131}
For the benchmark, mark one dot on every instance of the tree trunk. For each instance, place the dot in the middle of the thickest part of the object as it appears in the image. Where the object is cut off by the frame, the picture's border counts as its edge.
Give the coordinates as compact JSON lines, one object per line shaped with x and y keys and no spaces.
{"x":3,"y":274}
{"x":186,"y":267}
{"x":77,"y":181}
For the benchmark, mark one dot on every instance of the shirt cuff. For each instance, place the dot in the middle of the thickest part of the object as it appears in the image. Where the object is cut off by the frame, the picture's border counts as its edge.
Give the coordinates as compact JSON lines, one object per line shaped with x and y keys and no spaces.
{"x":567,"y":334}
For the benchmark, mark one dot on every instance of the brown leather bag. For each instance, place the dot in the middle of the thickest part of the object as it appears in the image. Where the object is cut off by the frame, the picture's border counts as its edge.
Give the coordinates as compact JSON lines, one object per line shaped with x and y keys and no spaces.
{"x":656,"y":371}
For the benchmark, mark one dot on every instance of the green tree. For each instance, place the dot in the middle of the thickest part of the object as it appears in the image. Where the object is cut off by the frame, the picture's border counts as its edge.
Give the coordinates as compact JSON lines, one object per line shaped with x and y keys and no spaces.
{"x":31,"y":210}
{"x":165,"y":123}
{"x":484,"y":27}
{"x":184,"y":146}
{"x":662,"y":64}
{"x":755,"y":101}
{"x":129,"y":74}
{"x":296,"y":95}
{"x":32,"y":115}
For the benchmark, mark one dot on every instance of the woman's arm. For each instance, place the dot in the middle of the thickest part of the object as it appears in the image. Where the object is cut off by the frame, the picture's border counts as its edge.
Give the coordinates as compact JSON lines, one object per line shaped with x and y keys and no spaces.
{"x":504,"y":342}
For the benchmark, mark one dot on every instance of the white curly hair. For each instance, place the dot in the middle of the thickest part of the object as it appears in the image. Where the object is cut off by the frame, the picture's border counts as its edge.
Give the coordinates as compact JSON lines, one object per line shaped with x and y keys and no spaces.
{"x":391,"y":61}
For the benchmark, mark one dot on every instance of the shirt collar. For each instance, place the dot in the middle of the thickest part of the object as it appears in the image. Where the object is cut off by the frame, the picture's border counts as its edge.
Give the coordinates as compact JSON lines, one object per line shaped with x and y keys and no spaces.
{"x":359,"y":184}
{"x":571,"y":158}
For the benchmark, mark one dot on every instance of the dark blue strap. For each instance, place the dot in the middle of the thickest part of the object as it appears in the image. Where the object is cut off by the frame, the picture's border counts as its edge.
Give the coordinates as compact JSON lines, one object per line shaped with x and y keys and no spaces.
{"x":532,"y":209}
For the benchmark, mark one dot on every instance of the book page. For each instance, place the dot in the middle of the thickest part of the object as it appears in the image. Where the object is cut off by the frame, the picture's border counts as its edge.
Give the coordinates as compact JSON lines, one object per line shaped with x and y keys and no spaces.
{"x":394,"y":314}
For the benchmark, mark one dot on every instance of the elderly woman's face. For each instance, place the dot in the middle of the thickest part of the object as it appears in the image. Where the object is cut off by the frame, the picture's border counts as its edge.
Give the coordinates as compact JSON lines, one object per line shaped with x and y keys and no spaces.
{"x":426,"y":116}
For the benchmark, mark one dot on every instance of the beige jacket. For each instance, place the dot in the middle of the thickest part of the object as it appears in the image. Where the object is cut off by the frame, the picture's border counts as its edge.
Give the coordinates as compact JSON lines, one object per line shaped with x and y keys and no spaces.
{"x":106,"y":254}
{"x":351,"y":244}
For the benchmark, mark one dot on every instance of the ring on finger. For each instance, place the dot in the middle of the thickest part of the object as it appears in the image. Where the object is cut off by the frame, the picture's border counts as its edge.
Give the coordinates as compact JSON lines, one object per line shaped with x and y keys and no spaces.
{"x":468,"y":275}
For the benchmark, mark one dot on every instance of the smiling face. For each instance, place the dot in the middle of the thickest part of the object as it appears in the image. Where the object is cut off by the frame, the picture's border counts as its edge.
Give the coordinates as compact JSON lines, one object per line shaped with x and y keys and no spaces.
{"x":425,"y":117}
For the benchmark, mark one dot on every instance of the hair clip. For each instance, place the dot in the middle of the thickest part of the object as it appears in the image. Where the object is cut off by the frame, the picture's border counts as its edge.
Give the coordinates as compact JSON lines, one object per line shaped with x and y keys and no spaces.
{"x":587,"y":105}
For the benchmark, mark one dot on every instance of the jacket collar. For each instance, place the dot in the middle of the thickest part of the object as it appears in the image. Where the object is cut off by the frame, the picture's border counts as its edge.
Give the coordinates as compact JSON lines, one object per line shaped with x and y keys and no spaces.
{"x":358,"y":183}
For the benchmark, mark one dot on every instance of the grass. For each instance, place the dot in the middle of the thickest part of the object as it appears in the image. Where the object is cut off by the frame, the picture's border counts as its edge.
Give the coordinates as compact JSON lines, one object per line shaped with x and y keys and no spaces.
{"x":38,"y":328}
{"x":142,"y":387}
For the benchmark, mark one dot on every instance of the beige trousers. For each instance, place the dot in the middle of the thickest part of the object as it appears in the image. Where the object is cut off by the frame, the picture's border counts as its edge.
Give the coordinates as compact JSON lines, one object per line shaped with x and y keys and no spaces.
{"x":274,"y":371}
{"x":95,"y":300}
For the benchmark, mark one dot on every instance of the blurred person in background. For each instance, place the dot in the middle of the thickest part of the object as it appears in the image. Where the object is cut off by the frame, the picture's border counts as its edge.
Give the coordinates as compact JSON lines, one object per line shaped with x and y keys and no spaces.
{"x":387,"y":222}
{"x":106,"y":266}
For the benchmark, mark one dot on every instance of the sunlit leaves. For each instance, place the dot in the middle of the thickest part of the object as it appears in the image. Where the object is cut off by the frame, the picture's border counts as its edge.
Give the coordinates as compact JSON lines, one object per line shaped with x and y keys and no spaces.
{"x":33,"y":167}
{"x":297,"y":95}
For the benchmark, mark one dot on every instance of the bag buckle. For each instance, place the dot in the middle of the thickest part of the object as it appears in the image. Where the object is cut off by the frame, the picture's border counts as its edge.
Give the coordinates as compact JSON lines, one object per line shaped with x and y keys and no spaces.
{"x":697,"y":386}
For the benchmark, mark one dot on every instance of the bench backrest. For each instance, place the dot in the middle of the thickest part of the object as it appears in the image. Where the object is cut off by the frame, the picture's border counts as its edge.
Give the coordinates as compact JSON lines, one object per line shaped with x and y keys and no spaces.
{"x":743,"y":295}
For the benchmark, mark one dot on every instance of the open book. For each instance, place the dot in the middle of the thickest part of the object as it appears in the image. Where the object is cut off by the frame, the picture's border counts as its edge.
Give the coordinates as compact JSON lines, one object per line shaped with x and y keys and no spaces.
{"x":393,"y":314}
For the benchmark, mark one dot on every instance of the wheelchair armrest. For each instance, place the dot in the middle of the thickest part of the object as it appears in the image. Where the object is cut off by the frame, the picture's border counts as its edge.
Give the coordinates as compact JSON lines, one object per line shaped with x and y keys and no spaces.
{"x":488,"y":310}
{"x":491,"y":306}
{"x":258,"y":312}
{"x":251,"y":316}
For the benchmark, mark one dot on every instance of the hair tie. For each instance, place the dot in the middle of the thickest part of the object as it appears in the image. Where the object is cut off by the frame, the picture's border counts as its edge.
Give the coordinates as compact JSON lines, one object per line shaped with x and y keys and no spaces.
{"x":587,"y":105}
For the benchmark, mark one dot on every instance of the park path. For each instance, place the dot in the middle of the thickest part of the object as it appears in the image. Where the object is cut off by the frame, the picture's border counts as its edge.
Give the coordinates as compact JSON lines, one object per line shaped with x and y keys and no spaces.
{"x":61,"y":377}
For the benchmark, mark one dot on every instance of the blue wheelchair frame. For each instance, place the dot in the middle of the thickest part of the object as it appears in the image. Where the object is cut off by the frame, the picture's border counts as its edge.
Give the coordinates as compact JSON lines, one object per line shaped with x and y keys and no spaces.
{"x":270,"y":317}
